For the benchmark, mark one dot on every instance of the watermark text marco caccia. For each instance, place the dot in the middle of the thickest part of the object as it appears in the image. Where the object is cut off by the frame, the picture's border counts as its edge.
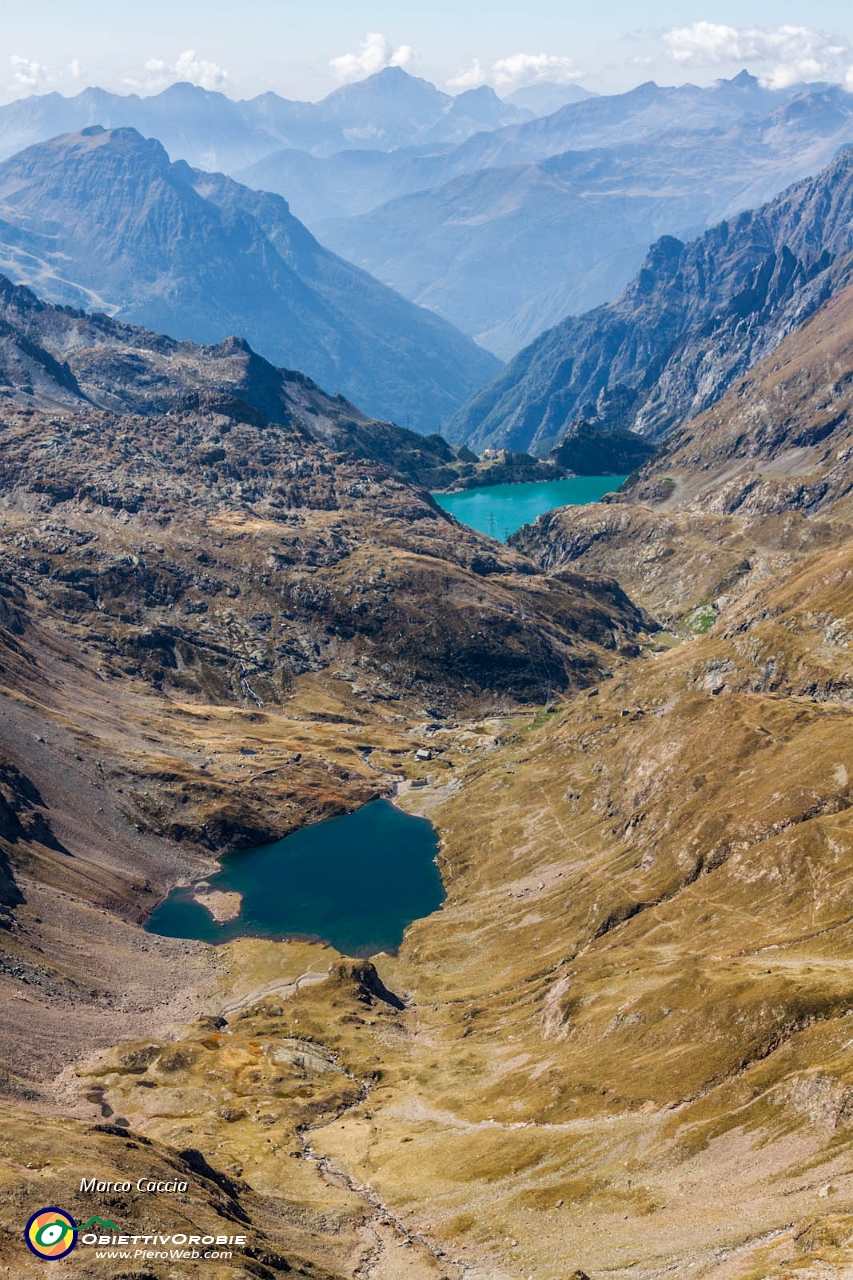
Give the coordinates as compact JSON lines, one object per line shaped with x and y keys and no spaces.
{"x":144,"y":1184}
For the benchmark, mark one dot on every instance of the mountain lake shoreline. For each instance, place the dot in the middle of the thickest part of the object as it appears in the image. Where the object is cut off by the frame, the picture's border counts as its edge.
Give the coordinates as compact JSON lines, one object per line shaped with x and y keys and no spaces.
{"x":502,"y":509}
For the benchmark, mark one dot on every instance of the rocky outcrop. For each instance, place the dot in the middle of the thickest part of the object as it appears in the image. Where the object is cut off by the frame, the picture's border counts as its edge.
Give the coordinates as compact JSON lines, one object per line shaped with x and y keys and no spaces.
{"x":126,"y":369}
{"x":342,"y":562}
{"x":588,"y":451}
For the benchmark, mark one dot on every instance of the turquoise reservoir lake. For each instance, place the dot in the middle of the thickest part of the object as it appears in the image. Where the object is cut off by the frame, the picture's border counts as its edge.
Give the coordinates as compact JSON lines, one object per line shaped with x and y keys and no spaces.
{"x":355,"y":881}
{"x":500,"y":509}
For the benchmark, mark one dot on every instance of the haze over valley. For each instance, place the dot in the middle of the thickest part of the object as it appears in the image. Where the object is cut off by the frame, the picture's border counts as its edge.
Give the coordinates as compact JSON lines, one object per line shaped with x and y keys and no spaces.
{"x":500,"y":220}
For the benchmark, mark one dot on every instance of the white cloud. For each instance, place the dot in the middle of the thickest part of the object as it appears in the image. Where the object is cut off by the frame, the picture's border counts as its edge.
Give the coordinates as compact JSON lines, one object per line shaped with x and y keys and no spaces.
{"x":517,"y":71}
{"x":26,"y":73}
{"x":30,"y":76}
{"x":522,"y":69}
{"x":471,"y":78}
{"x":189,"y":67}
{"x":206,"y":74}
{"x":785,"y":55}
{"x":375,"y":54}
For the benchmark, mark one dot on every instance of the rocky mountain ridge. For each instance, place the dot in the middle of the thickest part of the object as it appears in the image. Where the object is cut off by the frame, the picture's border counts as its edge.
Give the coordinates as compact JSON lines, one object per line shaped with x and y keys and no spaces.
{"x":226,"y":434}
{"x":695,"y":318}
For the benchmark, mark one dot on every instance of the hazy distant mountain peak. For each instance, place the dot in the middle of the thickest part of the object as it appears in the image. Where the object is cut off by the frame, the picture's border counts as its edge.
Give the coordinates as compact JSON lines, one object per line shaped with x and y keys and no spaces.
{"x":743,"y":80}
{"x":392,"y":86}
{"x":547,"y":96}
{"x":482,"y":99}
{"x":186,"y":89}
{"x":203,"y":126}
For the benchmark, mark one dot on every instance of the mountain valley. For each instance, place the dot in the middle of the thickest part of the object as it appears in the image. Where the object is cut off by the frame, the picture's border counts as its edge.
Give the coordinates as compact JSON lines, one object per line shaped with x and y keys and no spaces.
{"x":695,"y":318}
{"x":231,"y":608}
{"x":576,"y":225}
{"x":653,"y":878}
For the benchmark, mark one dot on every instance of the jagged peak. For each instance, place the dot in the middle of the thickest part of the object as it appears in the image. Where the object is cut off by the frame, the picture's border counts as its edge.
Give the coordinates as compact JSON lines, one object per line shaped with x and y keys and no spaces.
{"x":664,"y":254}
{"x":743,"y":80}
{"x":232,"y":346}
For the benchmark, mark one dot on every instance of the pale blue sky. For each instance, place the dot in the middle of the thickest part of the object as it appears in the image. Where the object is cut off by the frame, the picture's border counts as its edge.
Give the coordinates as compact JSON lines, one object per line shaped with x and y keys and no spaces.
{"x":304,"y":48}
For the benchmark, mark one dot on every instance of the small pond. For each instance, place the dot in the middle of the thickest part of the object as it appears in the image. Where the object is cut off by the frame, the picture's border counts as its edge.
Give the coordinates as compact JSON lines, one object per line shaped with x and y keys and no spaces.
{"x":355,"y":881}
{"x":500,"y":509}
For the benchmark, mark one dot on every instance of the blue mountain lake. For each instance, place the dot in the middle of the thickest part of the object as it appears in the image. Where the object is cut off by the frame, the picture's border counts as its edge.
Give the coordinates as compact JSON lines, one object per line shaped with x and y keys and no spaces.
{"x":500,"y":509}
{"x":355,"y":881}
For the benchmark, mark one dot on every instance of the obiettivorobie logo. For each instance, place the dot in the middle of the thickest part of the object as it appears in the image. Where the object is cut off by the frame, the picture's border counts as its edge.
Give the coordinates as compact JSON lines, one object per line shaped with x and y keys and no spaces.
{"x":52,"y":1233}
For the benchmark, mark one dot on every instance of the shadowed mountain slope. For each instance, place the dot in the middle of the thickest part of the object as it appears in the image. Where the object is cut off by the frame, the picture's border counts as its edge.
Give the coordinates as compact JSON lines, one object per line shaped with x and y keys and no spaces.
{"x":103,"y":219}
{"x":695,"y":318}
{"x":751,"y":485}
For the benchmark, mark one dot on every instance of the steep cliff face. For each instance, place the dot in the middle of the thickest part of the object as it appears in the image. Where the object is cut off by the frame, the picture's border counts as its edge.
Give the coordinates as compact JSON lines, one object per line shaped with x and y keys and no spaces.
{"x":102,"y":219}
{"x":696,"y":317}
{"x":747,"y":487}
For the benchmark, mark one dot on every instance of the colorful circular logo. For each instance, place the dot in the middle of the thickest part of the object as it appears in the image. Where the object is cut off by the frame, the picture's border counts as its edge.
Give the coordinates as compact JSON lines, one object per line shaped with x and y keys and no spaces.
{"x":51,"y":1234}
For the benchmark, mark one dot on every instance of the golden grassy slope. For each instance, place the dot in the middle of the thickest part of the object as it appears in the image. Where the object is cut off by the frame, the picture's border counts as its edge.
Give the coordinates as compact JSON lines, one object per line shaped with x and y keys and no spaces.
{"x":626,"y":1040}
{"x":627,"y":1045}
